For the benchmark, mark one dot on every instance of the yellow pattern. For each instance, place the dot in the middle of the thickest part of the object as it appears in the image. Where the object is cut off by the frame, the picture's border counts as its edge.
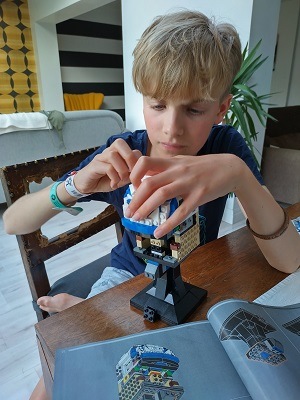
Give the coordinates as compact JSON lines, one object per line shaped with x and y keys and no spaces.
{"x":18,"y":88}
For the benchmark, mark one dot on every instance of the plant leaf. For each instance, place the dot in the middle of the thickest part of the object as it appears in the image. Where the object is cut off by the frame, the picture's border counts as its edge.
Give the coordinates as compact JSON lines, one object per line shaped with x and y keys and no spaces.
{"x":245,"y":98}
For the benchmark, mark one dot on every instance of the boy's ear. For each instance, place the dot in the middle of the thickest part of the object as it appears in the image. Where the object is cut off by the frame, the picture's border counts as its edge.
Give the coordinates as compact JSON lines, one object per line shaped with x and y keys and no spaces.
{"x":223,"y":108}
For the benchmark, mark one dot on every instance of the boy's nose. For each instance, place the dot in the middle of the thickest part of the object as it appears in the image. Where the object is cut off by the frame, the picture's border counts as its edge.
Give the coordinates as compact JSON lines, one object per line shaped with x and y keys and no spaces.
{"x":173,"y":125}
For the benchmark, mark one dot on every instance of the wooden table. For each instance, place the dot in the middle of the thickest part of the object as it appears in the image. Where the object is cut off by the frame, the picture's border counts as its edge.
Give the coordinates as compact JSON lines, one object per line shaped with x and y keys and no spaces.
{"x":229,"y":267}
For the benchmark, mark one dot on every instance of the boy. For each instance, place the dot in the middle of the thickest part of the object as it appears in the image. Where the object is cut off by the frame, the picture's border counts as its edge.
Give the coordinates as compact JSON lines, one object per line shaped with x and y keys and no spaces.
{"x":184,"y":65}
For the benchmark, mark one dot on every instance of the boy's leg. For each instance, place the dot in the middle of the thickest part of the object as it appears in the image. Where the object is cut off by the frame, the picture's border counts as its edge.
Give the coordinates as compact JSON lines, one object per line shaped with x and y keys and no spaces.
{"x":39,"y":392}
{"x":58,"y":303}
{"x":110,"y":277}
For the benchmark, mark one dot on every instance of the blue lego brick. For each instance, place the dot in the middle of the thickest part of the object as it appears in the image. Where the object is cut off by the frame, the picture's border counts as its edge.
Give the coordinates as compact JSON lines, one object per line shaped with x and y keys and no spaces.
{"x":153,"y":262}
{"x":137,"y":227}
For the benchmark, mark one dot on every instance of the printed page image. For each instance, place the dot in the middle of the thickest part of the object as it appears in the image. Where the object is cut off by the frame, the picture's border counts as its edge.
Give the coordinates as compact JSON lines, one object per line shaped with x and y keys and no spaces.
{"x":185,"y":362}
{"x":263,"y":343}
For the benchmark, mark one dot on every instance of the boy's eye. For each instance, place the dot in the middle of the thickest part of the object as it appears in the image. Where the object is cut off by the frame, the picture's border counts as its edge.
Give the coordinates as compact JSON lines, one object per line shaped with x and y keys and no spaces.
{"x":195,"y":111}
{"x":158,"y":107}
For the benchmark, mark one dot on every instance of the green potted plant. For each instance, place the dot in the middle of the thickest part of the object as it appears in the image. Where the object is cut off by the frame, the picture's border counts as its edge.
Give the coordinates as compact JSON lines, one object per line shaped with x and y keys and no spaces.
{"x":245,"y":101}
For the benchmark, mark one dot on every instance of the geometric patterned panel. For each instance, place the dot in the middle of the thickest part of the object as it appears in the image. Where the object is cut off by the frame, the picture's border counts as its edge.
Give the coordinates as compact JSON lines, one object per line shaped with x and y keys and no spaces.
{"x":18,"y":79}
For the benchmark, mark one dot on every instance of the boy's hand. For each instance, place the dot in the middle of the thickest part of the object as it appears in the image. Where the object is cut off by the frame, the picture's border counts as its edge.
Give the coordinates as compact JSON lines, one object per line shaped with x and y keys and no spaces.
{"x":196,"y":179}
{"x":109,"y":170}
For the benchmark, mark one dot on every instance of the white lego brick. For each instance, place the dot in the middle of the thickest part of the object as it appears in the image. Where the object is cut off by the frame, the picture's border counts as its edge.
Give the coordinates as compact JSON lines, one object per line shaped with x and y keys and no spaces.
{"x":132,"y":189}
{"x":155,"y":217}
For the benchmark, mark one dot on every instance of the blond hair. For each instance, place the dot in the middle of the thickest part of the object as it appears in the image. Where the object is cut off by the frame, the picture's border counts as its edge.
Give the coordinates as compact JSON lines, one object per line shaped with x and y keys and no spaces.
{"x":186,"y":55}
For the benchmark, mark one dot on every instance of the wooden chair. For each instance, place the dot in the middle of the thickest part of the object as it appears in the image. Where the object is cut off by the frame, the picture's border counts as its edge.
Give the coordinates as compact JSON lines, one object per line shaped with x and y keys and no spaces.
{"x":35,"y":248}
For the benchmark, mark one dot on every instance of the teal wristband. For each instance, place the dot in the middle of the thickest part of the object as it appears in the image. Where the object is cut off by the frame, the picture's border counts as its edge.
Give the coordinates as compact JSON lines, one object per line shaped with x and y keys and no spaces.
{"x":58,"y":205}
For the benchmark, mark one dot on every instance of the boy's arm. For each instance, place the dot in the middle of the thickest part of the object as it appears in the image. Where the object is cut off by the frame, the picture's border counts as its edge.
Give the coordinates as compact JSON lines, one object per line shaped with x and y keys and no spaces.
{"x":106,"y":172}
{"x":266,"y":217}
{"x":199,"y":180}
{"x":31,"y":211}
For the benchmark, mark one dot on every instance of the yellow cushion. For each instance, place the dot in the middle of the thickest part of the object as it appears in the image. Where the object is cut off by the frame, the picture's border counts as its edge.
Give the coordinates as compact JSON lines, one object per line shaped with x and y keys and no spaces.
{"x":86,"y":101}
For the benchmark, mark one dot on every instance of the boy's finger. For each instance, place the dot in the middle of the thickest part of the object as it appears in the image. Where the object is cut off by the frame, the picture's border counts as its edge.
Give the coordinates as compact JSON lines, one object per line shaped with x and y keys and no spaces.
{"x":152,"y":192}
{"x":130,"y":156}
{"x":175,"y":219}
{"x":119,"y":165}
{"x":146,"y":166}
{"x":132,"y":159}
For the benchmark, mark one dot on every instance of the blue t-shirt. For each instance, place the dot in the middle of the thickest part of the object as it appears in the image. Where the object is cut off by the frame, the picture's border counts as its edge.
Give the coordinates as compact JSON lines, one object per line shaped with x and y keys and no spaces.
{"x":222,"y":139}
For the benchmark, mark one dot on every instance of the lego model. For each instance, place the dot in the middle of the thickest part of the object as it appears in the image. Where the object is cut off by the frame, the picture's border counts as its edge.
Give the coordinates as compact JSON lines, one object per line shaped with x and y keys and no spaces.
{"x":168,"y":297}
{"x":146,"y":372}
{"x":248,"y":327}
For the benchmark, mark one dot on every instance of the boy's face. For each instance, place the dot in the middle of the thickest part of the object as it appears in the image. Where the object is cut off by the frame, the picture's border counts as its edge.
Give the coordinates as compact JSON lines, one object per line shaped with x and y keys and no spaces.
{"x":180,"y":127}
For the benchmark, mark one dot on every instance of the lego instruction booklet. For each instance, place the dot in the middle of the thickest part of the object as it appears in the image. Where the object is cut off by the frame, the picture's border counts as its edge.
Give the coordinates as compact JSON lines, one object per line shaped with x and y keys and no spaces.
{"x":243,"y":351}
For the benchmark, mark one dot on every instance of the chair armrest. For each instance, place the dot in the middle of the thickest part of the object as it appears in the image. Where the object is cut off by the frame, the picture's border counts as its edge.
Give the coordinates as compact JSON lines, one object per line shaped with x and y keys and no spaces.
{"x":40,"y":248}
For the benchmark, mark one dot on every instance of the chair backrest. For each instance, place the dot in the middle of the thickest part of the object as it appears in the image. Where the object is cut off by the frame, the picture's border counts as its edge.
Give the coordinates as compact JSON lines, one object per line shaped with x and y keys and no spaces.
{"x":35,"y":248}
{"x":81,"y":130}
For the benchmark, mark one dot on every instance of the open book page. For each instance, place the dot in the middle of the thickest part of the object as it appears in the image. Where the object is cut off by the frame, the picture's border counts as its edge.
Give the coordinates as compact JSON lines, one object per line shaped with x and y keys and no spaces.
{"x":285,"y":293}
{"x":182,"y":362}
{"x":263,"y":343}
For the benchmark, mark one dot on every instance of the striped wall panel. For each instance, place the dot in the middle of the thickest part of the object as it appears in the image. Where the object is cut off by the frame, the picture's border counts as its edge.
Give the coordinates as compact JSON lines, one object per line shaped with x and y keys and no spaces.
{"x":91,"y":60}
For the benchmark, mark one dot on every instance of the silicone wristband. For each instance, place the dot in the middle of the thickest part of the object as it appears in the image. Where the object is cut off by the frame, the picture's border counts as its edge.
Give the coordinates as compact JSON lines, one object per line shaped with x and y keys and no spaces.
{"x":71,"y":188}
{"x":58,"y":205}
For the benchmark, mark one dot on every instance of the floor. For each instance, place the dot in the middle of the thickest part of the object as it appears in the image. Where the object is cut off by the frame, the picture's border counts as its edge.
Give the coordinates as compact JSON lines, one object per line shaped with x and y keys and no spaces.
{"x":20,"y":366}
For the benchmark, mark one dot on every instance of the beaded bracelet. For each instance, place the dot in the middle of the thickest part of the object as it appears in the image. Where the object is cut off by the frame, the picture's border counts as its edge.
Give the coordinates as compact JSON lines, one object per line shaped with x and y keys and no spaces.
{"x":278,"y":233}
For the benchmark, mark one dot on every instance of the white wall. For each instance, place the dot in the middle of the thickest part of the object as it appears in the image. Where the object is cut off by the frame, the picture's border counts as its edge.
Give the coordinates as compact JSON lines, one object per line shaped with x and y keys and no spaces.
{"x":264,"y":12}
{"x":294,"y":86}
{"x":108,"y":14}
{"x":48,"y":66}
{"x":56,"y":11}
{"x":286,"y":78}
{"x":248,"y":16}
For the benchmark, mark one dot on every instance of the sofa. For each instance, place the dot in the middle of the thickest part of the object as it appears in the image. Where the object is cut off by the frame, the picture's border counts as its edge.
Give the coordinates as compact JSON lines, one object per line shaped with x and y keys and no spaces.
{"x":281,"y":154}
{"x":80,"y":130}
